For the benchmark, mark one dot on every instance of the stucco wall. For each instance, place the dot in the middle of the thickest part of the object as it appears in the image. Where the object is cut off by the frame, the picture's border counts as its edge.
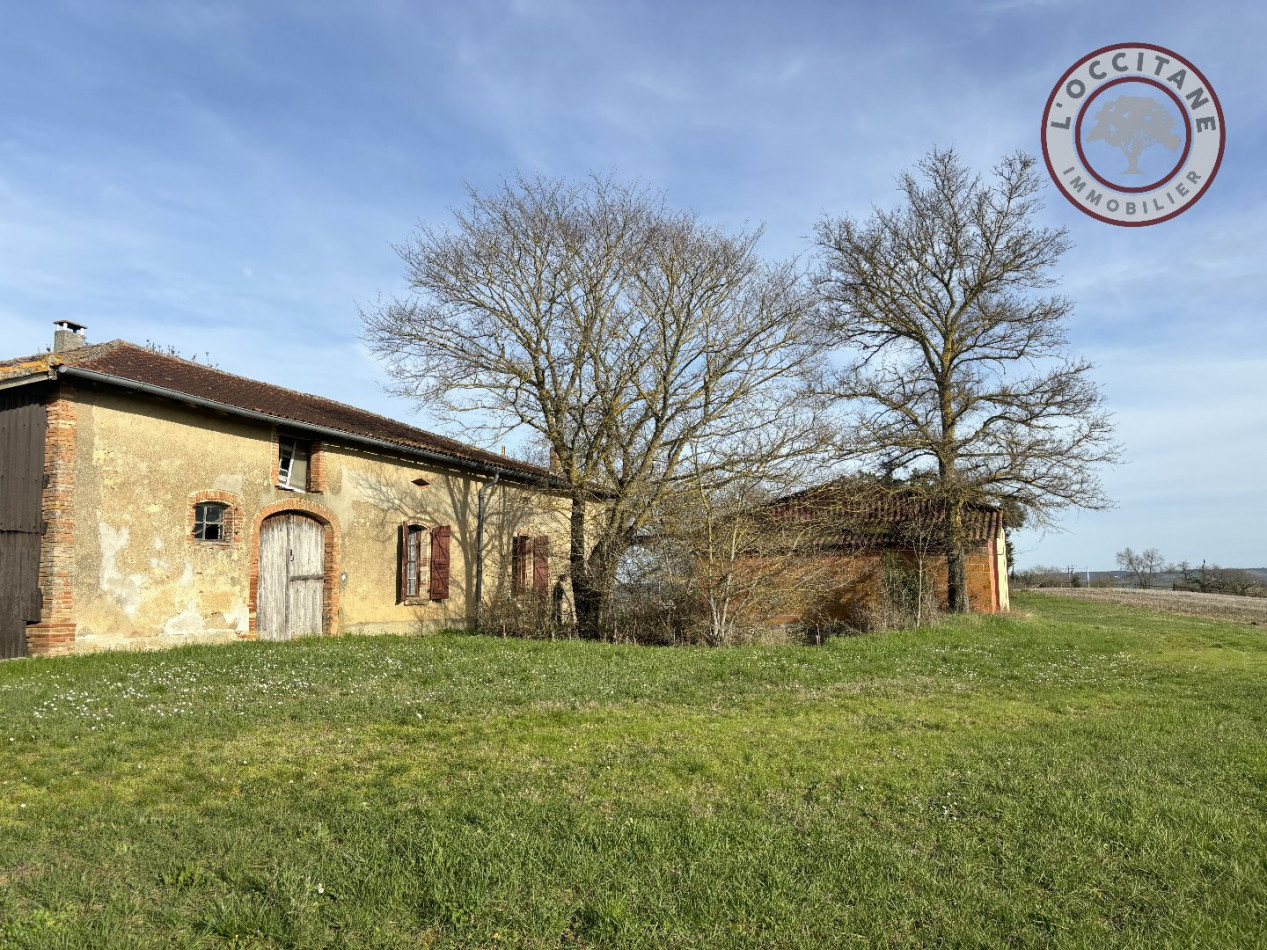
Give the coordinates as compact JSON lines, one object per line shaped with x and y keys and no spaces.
{"x":1001,"y":571}
{"x":140,"y":579}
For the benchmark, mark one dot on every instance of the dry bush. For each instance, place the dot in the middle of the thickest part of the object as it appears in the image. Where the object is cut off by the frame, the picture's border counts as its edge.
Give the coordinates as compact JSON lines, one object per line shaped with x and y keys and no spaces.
{"x":532,"y":615}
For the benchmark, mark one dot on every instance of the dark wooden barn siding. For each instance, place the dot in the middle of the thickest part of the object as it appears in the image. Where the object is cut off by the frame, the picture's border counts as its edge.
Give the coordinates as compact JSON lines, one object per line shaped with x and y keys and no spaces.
{"x":22,"y":425}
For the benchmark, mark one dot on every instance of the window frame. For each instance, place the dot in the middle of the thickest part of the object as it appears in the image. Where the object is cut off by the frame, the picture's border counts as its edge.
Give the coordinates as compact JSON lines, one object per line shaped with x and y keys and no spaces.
{"x":520,"y":558}
{"x":225,"y":523}
{"x":286,"y":461}
{"x":414,"y":563}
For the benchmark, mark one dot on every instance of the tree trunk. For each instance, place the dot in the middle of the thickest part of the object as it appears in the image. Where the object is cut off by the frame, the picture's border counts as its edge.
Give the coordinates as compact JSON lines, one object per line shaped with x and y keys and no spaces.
{"x":587,"y":601}
{"x":593,"y":574}
{"x":956,"y":571}
{"x":589,"y":608}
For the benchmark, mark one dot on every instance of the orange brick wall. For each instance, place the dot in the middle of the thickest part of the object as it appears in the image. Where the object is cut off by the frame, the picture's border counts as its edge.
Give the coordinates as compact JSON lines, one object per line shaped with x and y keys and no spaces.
{"x":55,"y":633}
{"x":839,"y":587}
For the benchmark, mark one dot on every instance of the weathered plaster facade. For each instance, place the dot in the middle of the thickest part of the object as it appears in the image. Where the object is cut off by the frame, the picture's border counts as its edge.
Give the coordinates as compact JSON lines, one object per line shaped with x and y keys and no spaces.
{"x":121,"y":568}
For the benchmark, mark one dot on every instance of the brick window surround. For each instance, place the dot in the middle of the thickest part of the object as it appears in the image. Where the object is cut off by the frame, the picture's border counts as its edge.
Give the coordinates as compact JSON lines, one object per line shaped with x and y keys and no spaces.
{"x":232,"y":516}
{"x":316,"y":460}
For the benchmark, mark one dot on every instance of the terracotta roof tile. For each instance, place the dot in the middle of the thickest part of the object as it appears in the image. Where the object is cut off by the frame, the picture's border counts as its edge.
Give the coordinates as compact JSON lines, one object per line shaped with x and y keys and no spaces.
{"x":861,"y":510}
{"x":128,"y":362}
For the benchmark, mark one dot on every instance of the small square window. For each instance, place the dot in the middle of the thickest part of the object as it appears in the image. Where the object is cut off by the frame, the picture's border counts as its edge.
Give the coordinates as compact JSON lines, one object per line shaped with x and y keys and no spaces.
{"x":209,"y":521}
{"x":292,"y":463}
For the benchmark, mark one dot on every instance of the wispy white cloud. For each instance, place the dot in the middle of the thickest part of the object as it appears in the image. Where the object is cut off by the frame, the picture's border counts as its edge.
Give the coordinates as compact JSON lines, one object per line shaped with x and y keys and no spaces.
{"x":224,"y":175}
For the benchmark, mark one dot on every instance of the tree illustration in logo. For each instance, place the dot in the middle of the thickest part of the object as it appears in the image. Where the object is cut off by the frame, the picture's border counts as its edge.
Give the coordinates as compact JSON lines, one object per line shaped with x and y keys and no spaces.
{"x":1133,"y":124}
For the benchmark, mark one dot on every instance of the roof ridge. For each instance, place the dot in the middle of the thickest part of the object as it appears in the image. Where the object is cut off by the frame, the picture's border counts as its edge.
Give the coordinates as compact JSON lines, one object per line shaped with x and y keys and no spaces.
{"x":113,"y":344}
{"x":86,"y":352}
{"x":860,"y":485}
{"x":319,"y":404}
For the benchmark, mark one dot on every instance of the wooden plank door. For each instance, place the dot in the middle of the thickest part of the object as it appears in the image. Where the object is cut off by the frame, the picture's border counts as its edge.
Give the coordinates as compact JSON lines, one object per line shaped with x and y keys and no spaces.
{"x":22,"y":426}
{"x":291,"y":577}
{"x":19,"y":589}
{"x":307,"y":576}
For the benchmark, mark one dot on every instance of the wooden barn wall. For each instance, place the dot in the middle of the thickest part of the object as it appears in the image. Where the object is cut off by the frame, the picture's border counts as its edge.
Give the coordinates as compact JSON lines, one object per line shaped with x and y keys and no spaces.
{"x":22,"y":426}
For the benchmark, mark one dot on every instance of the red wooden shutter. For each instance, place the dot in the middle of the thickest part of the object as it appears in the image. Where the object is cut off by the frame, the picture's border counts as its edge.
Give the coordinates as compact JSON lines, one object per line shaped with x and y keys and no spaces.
{"x":541,"y":564}
{"x":402,"y":561}
{"x":440,"y":562}
{"x":422,"y":564}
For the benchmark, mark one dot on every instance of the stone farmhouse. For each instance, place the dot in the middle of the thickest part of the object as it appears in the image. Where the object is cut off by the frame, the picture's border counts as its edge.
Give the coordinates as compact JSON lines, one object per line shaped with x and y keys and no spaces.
{"x":148,"y":501}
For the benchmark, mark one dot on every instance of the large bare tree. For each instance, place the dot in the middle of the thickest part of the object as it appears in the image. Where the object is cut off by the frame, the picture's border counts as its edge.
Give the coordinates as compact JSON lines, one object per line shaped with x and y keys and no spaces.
{"x":955,"y":367}
{"x":646,"y":349}
{"x":1144,"y":565}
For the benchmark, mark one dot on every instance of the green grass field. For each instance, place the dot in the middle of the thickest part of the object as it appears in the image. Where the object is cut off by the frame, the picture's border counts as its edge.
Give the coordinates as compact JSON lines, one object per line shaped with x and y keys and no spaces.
{"x":1075,"y":775}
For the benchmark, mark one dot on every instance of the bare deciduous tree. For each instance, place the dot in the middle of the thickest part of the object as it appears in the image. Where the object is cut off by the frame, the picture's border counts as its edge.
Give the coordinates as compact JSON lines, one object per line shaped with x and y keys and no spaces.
{"x":1144,"y":566}
{"x":633,"y":340}
{"x":955,"y":355}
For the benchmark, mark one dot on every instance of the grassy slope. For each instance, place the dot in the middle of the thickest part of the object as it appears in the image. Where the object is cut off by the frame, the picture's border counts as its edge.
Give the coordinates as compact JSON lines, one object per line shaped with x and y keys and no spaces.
{"x":1081,"y":776}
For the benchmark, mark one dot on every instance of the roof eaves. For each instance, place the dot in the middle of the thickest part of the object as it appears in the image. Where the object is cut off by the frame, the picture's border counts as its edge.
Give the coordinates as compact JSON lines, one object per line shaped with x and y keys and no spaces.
{"x":13,"y":382}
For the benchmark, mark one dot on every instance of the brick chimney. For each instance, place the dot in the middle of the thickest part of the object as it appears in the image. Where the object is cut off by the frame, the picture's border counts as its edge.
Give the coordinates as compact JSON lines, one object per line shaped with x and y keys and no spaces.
{"x":68,"y":336}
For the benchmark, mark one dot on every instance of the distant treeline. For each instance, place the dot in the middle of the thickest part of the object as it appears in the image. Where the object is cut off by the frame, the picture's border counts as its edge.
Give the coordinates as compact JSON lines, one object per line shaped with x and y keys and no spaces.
{"x":1145,"y":571}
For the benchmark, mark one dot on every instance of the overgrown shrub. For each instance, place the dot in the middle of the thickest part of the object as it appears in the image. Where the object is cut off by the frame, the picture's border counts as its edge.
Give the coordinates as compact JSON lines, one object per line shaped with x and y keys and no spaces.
{"x":660,"y":617}
{"x":663,"y":609}
{"x":902,"y":599}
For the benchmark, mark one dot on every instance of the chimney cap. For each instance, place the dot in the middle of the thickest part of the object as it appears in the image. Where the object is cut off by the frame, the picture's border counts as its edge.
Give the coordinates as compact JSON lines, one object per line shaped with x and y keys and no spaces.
{"x":70,"y":325}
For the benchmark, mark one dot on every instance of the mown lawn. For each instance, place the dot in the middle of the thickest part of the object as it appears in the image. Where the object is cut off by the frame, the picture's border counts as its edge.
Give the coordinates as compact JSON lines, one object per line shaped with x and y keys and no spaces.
{"x":1077,"y":775}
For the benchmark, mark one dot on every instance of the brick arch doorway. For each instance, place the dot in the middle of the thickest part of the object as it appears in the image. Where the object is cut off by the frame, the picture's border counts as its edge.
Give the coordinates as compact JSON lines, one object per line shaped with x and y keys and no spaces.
{"x":292,"y":577}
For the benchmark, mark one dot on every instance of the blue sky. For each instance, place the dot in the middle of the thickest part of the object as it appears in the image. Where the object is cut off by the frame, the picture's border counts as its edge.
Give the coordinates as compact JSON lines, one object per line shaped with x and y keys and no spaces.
{"x":228,"y":177}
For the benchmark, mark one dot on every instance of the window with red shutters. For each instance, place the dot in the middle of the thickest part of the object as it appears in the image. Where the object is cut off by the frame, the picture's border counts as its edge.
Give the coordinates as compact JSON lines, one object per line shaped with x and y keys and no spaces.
{"x":541,"y":564}
{"x":440,"y":562}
